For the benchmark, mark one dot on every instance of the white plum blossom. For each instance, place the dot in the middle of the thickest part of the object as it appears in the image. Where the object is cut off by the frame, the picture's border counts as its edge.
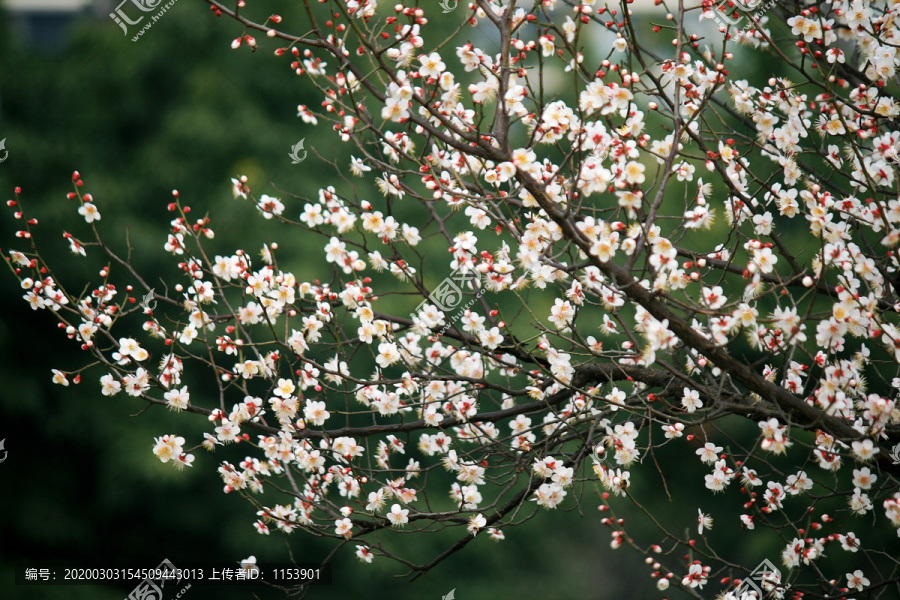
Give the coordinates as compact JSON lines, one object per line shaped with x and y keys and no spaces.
{"x":586,"y":263}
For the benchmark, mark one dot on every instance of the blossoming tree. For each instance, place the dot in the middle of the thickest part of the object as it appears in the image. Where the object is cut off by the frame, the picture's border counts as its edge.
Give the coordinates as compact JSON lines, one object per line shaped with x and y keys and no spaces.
{"x":643,"y":249}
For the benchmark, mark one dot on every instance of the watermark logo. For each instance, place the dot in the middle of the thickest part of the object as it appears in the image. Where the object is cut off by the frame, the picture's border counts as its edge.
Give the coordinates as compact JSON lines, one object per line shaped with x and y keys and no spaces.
{"x":296,"y":159}
{"x":445,"y":5}
{"x":152,"y":587}
{"x":3,"y":148}
{"x":447,"y":297}
{"x":3,"y":449}
{"x":895,"y":454}
{"x":123,"y":20}
{"x":450,"y":595}
{"x":730,"y":13}
{"x":726,"y":14}
{"x":765,"y":576}
{"x":149,"y":303}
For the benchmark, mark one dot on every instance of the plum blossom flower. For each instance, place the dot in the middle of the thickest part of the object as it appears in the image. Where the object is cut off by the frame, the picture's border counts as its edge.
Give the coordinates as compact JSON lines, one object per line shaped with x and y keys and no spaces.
{"x":110,"y":386}
{"x":315,"y":412}
{"x":476,"y":522}
{"x":549,"y":495}
{"x":864,"y":450}
{"x":344,"y":527}
{"x":562,"y":313}
{"x":704,"y":521}
{"x":270,"y":207}
{"x":432,"y":65}
{"x":398,"y":516}
{"x":89,"y":211}
{"x":59,"y":378}
{"x":691,"y":400}
{"x":696,"y":576}
{"x":857,"y":581}
{"x":178,"y":399}
{"x":709,"y":453}
{"x":387,"y":354}
{"x":168,"y":447}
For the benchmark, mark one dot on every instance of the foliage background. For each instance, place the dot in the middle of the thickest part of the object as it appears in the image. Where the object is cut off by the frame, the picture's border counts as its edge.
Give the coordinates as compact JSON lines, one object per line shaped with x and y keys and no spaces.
{"x":179,"y":109}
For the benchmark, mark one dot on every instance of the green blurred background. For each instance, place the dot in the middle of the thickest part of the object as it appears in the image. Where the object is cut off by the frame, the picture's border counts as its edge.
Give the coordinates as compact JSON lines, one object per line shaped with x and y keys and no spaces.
{"x":180,"y":109}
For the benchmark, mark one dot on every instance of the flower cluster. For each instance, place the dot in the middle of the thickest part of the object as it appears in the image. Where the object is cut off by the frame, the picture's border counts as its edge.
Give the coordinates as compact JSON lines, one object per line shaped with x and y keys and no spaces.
{"x":563,"y":212}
